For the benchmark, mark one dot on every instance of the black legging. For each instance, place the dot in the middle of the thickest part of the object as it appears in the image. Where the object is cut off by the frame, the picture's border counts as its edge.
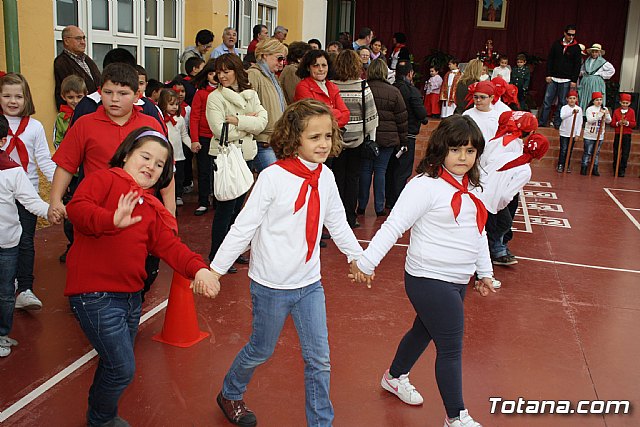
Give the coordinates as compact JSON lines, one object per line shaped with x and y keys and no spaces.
{"x":440,"y":317}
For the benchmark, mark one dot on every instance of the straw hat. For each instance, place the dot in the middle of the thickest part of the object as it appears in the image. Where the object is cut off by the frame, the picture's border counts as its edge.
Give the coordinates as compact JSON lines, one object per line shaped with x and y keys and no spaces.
{"x":596,"y":46}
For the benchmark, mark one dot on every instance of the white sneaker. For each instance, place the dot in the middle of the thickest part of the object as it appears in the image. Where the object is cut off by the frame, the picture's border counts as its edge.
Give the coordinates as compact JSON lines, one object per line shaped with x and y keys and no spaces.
{"x":5,"y":345}
{"x":402,"y":388}
{"x":464,"y":420}
{"x":27,"y":300}
{"x":497,"y":284}
{"x":179,"y":201}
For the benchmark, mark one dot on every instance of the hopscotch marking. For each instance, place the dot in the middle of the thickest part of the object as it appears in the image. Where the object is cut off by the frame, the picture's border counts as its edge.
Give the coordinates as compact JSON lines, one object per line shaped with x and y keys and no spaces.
{"x":622,"y":207}
{"x":543,"y":208}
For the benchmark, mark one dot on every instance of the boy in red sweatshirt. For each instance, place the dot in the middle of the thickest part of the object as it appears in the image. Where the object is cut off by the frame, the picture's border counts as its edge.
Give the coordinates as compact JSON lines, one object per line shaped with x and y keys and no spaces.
{"x":623,"y":117}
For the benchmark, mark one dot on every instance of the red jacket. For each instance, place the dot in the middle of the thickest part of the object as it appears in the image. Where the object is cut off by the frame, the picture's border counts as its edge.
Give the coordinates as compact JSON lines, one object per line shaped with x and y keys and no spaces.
{"x":630,"y":116}
{"x":198,"y":125}
{"x":104,"y":258}
{"x":308,"y":88}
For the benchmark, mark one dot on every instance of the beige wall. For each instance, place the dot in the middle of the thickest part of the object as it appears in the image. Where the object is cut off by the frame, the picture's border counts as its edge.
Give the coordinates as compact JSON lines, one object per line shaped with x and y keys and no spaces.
{"x":290,"y":15}
{"x":37,"y":52}
{"x":200,"y":14}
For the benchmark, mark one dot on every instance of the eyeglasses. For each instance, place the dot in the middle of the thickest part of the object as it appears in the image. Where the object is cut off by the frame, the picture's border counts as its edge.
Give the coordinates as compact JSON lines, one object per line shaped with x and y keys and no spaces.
{"x":77,"y":38}
{"x":280,"y":58}
{"x":479,"y":97}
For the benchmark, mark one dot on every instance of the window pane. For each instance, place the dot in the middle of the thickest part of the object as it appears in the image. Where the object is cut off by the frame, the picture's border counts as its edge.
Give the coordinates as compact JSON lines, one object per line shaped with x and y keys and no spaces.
{"x":132,"y":49}
{"x":66,"y":12}
{"x":100,"y":14}
{"x":99,"y":51}
{"x":59,"y":47}
{"x":125,"y":16}
{"x":170,"y":19}
{"x":170,"y":66}
{"x":246,"y":34}
{"x":151,"y":17}
{"x":152,"y":62}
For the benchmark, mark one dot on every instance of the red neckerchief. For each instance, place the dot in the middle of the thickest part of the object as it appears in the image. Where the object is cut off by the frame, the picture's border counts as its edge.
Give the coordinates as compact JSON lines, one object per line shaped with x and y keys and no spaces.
{"x":169,"y":118}
{"x":456,"y":200}
{"x":296,"y":167}
{"x":397,"y":47}
{"x":535,"y":147}
{"x":183,"y":109}
{"x":68,"y":111}
{"x":565,"y":46}
{"x":17,"y":143}
{"x":147,"y":195}
{"x":187,"y":78}
{"x":7,"y":162}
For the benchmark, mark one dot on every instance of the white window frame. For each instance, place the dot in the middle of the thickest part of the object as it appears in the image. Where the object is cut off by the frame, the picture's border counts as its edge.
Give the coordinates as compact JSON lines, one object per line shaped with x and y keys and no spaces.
{"x":138,"y":39}
{"x":234,"y":12}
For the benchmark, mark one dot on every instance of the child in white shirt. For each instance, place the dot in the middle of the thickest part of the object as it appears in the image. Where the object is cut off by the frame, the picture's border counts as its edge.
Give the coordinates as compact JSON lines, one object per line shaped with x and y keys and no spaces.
{"x":504,"y":70}
{"x":594,"y":122}
{"x":567,"y":114}
{"x":14,"y":186}
{"x":485,"y":117}
{"x":282,"y":220}
{"x":448,"y":244}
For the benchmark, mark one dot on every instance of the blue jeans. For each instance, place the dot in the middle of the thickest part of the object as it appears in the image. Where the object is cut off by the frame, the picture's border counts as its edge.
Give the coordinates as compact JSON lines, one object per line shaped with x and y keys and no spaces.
{"x":110,"y":322}
{"x":271,"y":307}
{"x":554,"y":90}
{"x":8,"y":268}
{"x":564,"y":149}
{"x":264,"y":158}
{"x":26,"y":249}
{"x":497,"y":226}
{"x":378,"y":168}
{"x":589,"y":145}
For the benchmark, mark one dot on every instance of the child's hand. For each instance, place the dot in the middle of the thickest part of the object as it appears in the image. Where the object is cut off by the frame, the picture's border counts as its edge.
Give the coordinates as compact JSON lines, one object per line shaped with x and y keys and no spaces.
{"x":195,"y":146}
{"x":54,"y":213}
{"x":122,"y":217}
{"x":356,"y":275}
{"x":206,"y":283}
{"x":484,"y":286}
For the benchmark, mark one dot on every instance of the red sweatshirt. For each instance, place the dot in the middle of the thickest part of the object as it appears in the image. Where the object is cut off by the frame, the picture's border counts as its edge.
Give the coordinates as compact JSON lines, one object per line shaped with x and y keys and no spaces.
{"x":308,"y":88}
{"x":630,"y":115}
{"x":198,"y":125}
{"x":104,"y":258}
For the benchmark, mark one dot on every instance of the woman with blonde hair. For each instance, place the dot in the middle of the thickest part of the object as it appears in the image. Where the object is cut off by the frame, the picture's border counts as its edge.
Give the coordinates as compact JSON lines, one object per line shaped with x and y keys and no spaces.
{"x":346,"y":167}
{"x":270,"y":56}
{"x":470,"y":75}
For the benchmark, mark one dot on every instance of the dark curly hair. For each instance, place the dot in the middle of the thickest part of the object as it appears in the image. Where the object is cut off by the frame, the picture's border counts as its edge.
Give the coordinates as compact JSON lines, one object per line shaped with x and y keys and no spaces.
{"x":309,"y":59}
{"x":454,"y":131}
{"x":297,"y":51}
{"x":285,"y":139}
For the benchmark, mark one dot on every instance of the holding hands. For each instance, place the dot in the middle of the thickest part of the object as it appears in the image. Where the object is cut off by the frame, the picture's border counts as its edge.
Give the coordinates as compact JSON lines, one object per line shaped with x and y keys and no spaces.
{"x":484,"y":286}
{"x":56,"y":213}
{"x":356,"y":275}
{"x":206,"y":283}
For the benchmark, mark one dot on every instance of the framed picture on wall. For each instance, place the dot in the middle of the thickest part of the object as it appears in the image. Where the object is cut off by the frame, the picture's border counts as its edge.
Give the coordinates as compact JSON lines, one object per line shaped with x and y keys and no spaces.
{"x":492,"y":14}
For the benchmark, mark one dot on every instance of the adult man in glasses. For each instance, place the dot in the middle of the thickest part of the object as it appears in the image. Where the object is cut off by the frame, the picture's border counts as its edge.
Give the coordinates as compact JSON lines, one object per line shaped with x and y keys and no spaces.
{"x":73,"y":60}
{"x":563,"y":69}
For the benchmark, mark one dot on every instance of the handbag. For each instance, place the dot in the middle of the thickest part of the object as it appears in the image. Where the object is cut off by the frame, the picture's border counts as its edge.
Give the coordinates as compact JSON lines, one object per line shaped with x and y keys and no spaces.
{"x":232,"y":177}
{"x":371,"y":147}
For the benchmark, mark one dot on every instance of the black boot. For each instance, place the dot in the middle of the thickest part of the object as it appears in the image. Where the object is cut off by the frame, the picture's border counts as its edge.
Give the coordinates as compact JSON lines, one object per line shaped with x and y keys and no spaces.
{"x":583,"y":170}
{"x":595,"y":172}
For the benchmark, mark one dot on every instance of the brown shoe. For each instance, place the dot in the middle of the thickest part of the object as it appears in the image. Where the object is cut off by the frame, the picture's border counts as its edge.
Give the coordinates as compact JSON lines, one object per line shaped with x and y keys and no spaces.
{"x":236,"y":411}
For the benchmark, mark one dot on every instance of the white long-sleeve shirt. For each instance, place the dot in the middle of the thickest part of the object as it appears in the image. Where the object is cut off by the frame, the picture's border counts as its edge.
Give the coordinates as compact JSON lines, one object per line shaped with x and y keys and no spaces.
{"x":500,"y":107}
{"x":593,"y":116}
{"x":440,"y":247}
{"x":15,"y":185}
{"x":486,"y":121}
{"x":178,"y":136}
{"x":566,"y":115}
{"x":504,"y":72}
{"x":278,"y":236}
{"x":35,"y":140}
{"x":498,"y":188}
{"x":494,"y":149}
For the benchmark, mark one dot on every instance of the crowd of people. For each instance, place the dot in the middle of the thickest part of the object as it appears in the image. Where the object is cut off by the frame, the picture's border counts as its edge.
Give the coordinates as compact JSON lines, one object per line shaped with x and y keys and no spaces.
{"x":318,"y":128}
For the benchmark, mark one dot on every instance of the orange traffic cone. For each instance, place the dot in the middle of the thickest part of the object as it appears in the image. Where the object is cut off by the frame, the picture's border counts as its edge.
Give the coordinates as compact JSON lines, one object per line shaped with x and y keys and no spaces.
{"x":180,"y":322}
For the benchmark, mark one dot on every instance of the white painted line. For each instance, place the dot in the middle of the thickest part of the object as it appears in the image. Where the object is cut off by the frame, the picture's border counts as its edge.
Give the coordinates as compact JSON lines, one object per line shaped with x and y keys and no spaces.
{"x":525,"y":213}
{"x":622,"y":208}
{"x":633,"y":209}
{"x":623,"y":189}
{"x":550,"y":261}
{"x":51,"y":382}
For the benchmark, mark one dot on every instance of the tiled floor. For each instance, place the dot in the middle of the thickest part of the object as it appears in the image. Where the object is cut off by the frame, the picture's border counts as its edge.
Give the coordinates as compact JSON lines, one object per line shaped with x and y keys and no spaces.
{"x":566,"y":330}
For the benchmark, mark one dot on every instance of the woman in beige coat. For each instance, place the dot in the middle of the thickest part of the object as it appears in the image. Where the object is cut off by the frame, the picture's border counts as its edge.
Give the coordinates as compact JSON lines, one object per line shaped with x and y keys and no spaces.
{"x":270,"y":56}
{"x":236,"y":103}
